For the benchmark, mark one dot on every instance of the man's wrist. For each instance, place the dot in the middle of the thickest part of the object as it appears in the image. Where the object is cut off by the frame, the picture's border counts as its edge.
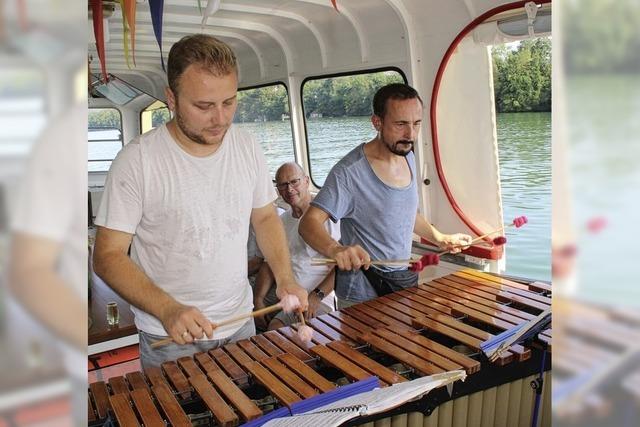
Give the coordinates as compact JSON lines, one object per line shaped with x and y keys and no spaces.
{"x":319,"y":293}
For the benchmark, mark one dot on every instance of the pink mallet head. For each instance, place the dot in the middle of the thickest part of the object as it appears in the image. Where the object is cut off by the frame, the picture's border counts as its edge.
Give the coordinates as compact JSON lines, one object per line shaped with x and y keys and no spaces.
{"x":500,"y":240}
{"x":595,"y":225}
{"x":305,"y":333}
{"x":289,"y":303}
{"x":520,"y":221}
{"x":416,"y":266}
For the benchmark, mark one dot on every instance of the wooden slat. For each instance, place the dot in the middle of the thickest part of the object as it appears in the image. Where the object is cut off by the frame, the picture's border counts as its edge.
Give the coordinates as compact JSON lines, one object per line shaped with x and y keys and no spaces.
{"x":124,"y":414}
{"x":408,"y":307}
{"x":245,"y":406}
{"x":334,"y":359}
{"x":417,"y":303}
{"x":383,"y":308}
{"x":470,"y":365}
{"x":520,"y":352}
{"x":279,"y":390}
{"x":287,"y":346}
{"x":206,"y":362}
{"x":368,"y":364}
{"x":512,"y":290}
{"x":327,"y":330}
{"x":419,"y":364}
{"x":229,"y":366}
{"x":292,"y":335}
{"x":418,"y":350}
{"x":239,"y":355}
{"x":118,"y":385}
{"x":137,"y":381}
{"x":189,"y":366}
{"x":177,"y":379}
{"x":147,"y":410}
{"x":532,"y":286}
{"x":368,"y":314}
{"x":493,"y":312}
{"x":351,"y":321}
{"x":170,"y":406}
{"x":308,"y":374}
{"x":341,"y":327}
{"x":266,"y":345}
{"x":220,"y":411}
{"x":252,"y":350}
{"x":505,"y":295}
{"x":459,"y":336}
{"x":362,"y":313}
{"x":289,"y":377}
{"x":485,"y":302}
{"x":473,"y":314}
{"x":540,"y":286}
{"x":154,"y":374}
{"x":91,"y":413}
{"x":100,"y":397}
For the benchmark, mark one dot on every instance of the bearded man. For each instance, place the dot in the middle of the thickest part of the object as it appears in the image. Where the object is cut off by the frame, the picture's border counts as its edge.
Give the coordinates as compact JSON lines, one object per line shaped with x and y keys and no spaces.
{"x":372,"y":191}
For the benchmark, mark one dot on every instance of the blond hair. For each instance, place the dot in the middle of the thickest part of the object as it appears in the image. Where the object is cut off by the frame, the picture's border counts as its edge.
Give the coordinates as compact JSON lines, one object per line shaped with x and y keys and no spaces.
{"x":210,"y":53}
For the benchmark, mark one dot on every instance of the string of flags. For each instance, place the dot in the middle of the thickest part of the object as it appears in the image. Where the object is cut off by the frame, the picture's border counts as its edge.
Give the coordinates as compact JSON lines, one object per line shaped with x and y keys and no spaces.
{"x":156,"y":8}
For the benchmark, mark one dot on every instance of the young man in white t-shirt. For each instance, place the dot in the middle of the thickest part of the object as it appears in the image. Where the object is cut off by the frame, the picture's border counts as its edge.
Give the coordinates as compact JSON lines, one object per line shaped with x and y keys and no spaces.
{"x":183,"y":196}
{"x":318,"y":280}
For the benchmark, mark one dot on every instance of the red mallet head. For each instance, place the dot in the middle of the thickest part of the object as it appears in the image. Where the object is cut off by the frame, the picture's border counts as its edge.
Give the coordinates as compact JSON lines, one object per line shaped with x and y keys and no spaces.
{"x":500,"y":240}
{"x":430,"y":259}
{"x":520,"y":221}
{"x":416,"y":266}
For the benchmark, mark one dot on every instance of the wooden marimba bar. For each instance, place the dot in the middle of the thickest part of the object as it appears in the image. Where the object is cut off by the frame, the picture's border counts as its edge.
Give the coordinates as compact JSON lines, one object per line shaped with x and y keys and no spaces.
{"x":415,"y":332}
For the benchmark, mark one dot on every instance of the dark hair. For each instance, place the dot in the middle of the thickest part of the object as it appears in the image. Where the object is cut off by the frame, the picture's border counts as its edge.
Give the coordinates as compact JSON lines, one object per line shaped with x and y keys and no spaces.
{"x":399,"y":91}
{"x":212,"y":54}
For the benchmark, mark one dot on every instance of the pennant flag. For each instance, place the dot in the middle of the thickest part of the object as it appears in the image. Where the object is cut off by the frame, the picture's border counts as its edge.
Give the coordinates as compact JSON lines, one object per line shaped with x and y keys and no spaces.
{"x":125,"y":33}
{"x":335,"y":6}
{"x":155,"y":8}
{"x":212,"y":7}
{"x":98,"y":31}
{"x":130,"y":6}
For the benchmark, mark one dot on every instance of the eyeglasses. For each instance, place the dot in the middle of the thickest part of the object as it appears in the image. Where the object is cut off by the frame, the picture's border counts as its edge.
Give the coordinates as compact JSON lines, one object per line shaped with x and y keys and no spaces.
{"x":284,"y":185}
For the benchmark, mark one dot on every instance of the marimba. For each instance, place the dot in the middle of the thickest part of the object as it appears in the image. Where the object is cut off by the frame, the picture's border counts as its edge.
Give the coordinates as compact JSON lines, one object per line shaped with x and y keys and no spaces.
{"x":434,"y":327}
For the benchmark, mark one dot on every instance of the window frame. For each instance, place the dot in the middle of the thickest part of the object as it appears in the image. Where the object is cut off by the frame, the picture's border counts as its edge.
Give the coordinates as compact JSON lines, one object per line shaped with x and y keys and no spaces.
{"x":329,"y":76}
{"x":145,"y":109}
{"x":286,"y":88}
{"x":89,"y":161}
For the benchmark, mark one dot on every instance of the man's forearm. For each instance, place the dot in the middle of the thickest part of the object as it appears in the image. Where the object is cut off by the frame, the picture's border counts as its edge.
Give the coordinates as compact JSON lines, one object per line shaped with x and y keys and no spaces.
{"x":131,"y":283}
{"x":272,"y":242}
{"x":424,"y":229}
{"x":315,"y":235}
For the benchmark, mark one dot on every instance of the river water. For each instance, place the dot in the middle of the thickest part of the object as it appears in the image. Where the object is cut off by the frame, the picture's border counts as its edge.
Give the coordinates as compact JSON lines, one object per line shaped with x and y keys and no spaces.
{"x":524,"y":143}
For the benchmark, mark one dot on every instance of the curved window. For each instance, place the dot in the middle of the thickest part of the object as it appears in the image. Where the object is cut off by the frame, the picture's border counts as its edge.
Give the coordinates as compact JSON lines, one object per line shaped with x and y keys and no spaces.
{"x":105,"y":138}
{"x":264,"y":112}
{"x":338,"y":116}
{"x":153,"y":116}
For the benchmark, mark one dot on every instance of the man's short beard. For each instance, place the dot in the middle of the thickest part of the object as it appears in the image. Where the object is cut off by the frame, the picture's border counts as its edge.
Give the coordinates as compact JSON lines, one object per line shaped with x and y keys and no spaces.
{"x":197,"y":138}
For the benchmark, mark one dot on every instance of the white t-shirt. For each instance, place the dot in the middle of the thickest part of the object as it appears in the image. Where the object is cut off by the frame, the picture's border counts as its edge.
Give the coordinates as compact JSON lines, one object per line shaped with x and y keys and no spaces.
{"x":190,"y":219}
{"x":50,"y":205}
{"x":307,"y":275}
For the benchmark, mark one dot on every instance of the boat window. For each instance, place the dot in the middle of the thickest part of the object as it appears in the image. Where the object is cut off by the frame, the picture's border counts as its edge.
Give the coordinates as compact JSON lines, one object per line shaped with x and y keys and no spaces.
{"x":264,"y":112}
{"x":153,"y":116}
{"x":337,"y":114}
{"x":105,"y":137}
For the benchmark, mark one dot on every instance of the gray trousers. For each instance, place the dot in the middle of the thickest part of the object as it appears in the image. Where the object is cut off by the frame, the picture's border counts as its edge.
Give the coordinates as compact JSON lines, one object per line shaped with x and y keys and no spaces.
{"x":156,"y":356}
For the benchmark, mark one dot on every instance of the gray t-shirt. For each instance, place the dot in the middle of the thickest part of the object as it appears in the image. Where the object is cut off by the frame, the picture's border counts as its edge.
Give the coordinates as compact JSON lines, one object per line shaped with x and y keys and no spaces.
{"x":372,"y":214}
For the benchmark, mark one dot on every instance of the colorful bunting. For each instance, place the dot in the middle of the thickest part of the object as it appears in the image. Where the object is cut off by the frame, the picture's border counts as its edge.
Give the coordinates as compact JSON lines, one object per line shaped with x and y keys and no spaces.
{"x":130,"y":7}
{"x":98,"y":31}
{"x":155,"y":8}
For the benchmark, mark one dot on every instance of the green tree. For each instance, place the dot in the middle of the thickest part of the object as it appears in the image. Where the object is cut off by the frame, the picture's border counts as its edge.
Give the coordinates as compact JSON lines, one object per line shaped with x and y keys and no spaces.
{"x":522,"y":77}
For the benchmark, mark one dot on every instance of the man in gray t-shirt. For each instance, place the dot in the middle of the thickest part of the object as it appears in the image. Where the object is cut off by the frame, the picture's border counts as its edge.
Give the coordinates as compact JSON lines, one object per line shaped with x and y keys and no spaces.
{"x":373,"y":192}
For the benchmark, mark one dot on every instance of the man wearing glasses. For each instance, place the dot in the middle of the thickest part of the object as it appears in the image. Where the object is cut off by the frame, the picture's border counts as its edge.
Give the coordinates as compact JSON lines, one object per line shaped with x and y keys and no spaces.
{"x":293,"y":186}
{"x":373,"y":192}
